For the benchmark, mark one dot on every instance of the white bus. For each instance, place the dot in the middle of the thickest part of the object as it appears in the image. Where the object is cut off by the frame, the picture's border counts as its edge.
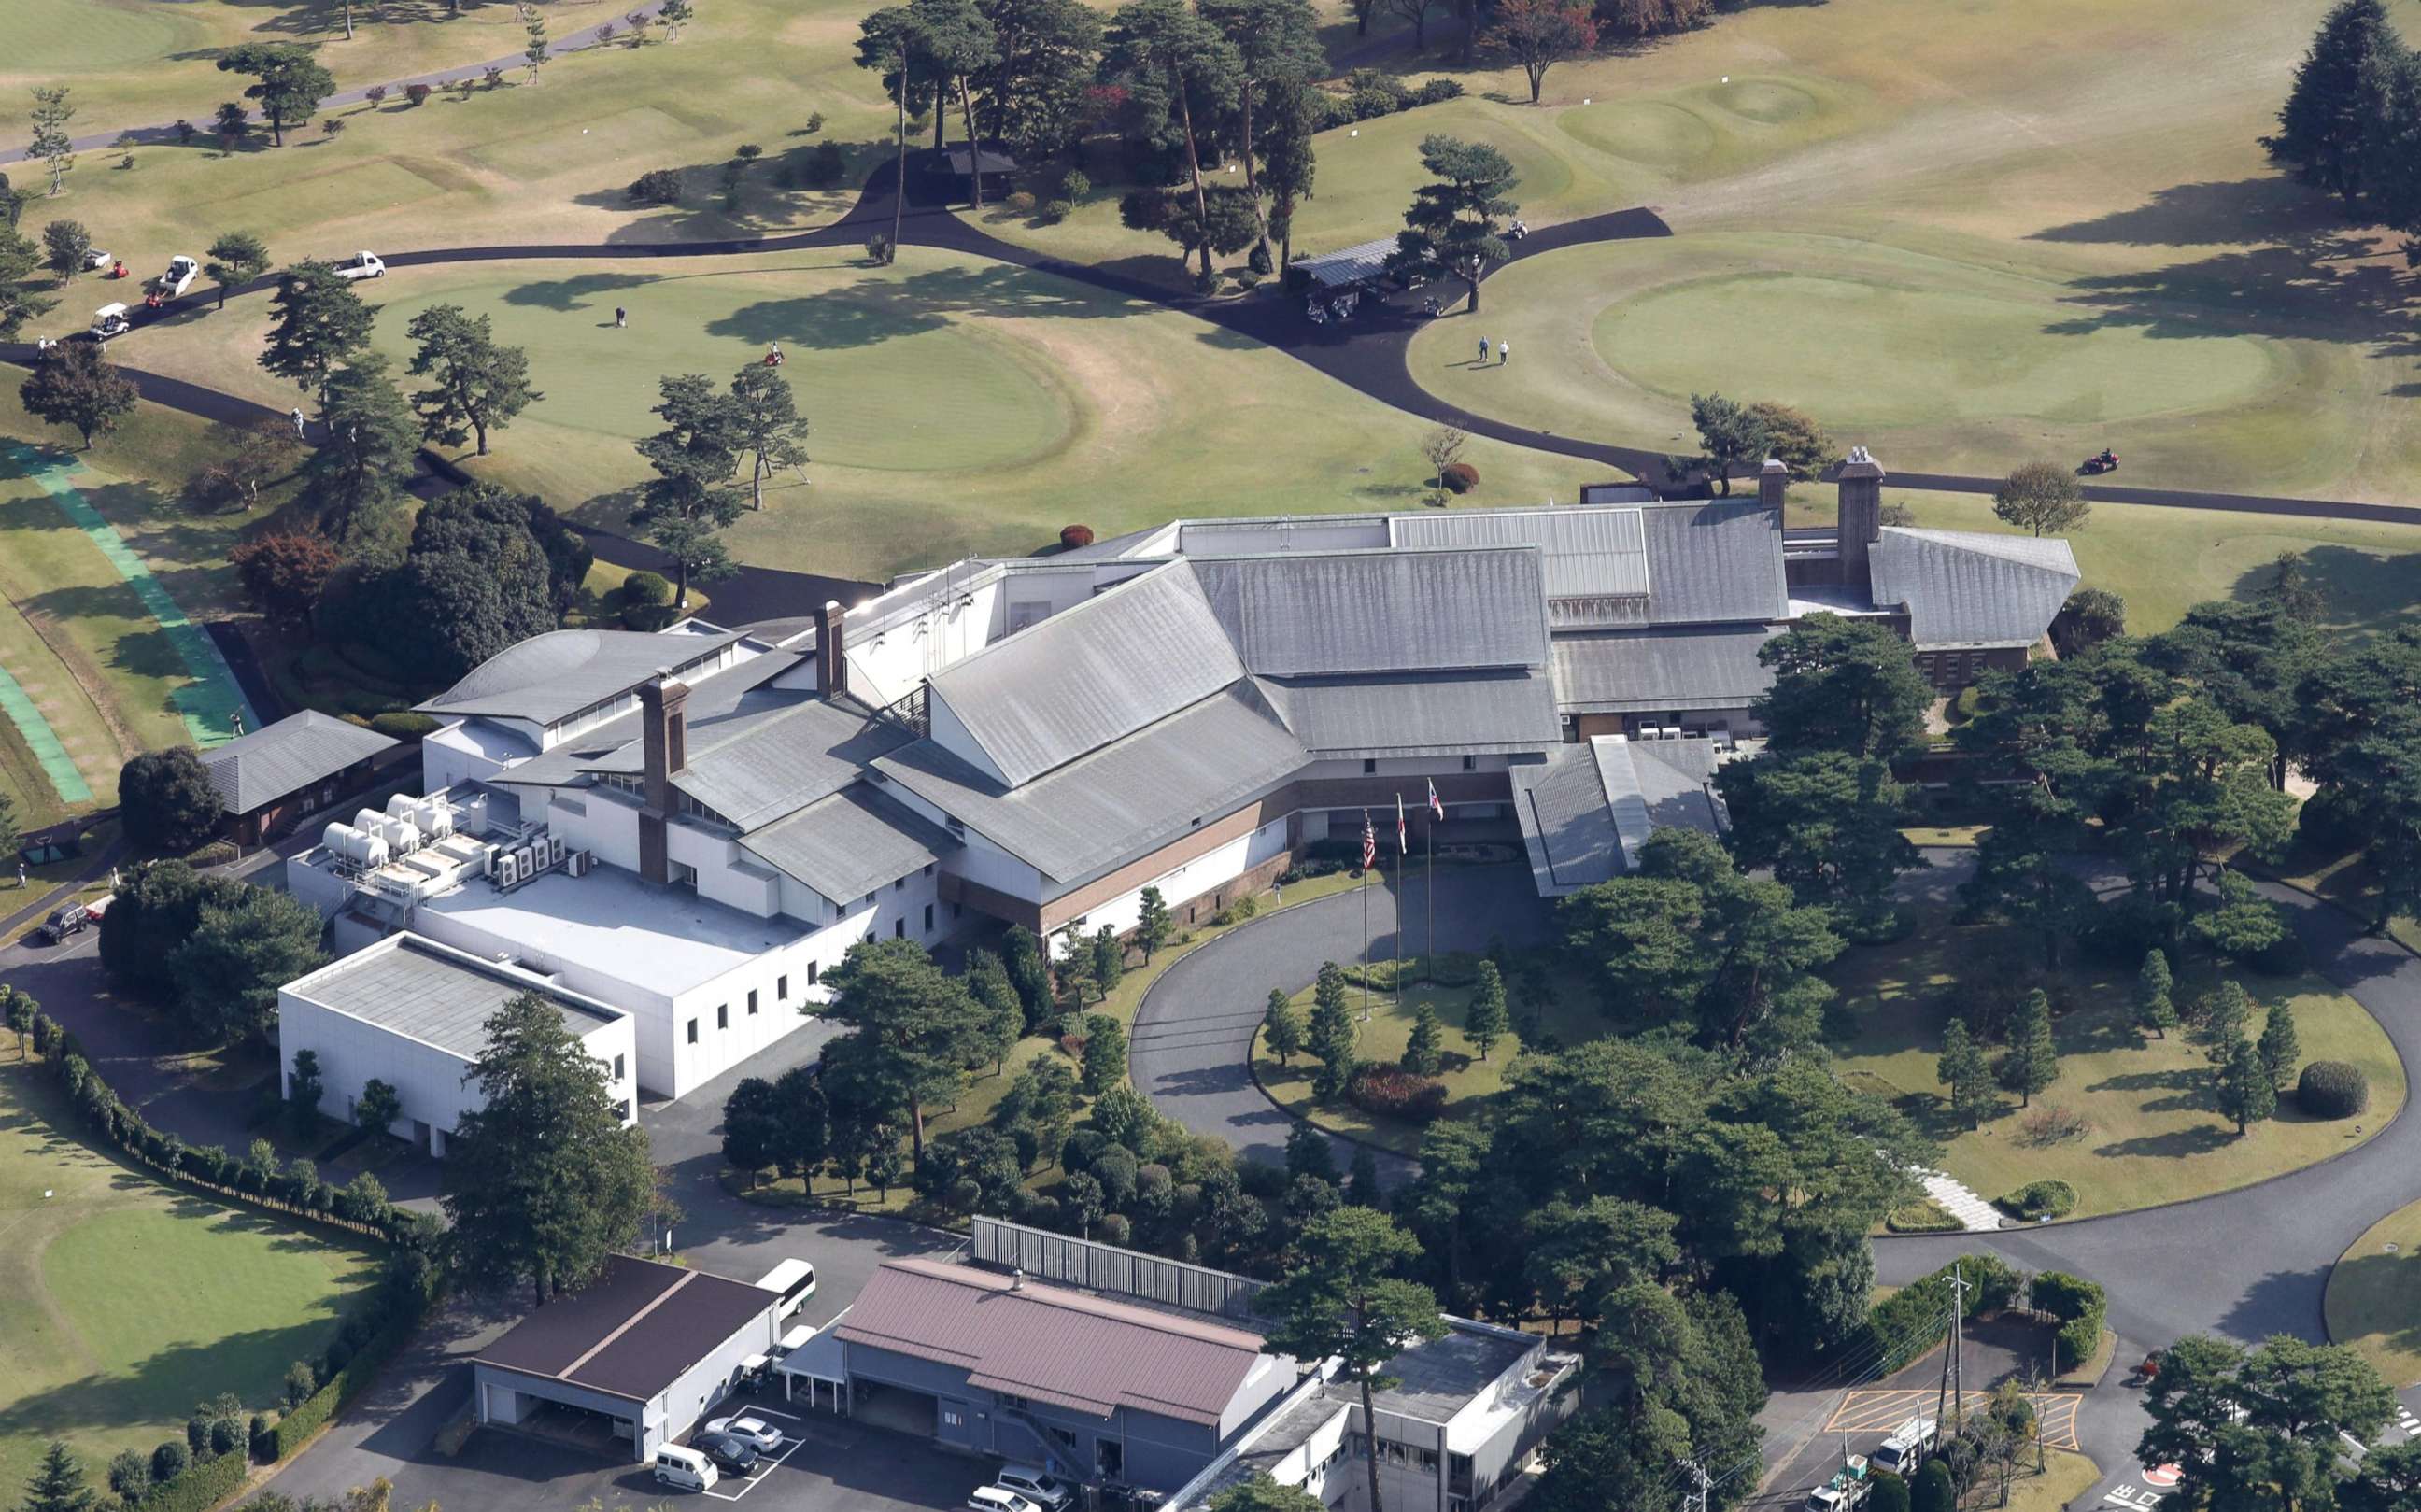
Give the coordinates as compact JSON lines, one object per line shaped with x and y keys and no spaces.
{"x":795,"y":1281}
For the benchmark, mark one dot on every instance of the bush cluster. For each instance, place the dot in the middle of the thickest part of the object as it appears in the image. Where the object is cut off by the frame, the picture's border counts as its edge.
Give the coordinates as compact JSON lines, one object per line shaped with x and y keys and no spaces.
{"x":1369,"y":94}
{"x":2037,"y":1200}
{"x":2332,"y":1089}
{"x":1915,"y":1318}
{"x":1072,"y":536}
{"x":403,"y":724}
{"x":1460,"y":477}
{"x":1924,"y":1216}
{"x":2078,"y":1305}
{"x":1392,"y":1092}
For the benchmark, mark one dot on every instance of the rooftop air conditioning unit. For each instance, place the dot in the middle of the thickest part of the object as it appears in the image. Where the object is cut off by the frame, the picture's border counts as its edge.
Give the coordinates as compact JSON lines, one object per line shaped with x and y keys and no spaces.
{"x":529,"y":859}
{"x":508,"y":869}
{"x":555,"y":851}
{"x":578,"y":863}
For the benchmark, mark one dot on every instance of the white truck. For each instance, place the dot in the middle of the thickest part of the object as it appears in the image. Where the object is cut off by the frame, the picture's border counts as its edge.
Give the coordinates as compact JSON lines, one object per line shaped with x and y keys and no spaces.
{"x":1846,"y":1491}
{"x":178,"y":278}
{"x":1908,"y":1448}
{"x":361,"y":265}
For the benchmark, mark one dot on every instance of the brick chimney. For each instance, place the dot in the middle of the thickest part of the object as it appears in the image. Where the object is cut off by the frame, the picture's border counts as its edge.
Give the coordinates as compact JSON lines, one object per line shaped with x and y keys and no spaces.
{"x":831,"y":650}
{"x":1772,"y":479}
{"x":663,"y":746}
{"x":1861,"y":515}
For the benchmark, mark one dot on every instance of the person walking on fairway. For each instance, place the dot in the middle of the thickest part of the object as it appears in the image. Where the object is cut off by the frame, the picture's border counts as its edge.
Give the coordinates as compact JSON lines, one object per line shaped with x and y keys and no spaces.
{"x":621,"y":317}
{"x":298,"y":423}
{"x":1483,"y":352}
{"x":1503,"y":352}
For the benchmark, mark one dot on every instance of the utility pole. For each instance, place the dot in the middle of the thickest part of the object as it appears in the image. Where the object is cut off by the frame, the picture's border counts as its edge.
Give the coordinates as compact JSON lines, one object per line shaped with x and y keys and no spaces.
{"x":1699,"y":1499}
{"x":1946,"y":1409}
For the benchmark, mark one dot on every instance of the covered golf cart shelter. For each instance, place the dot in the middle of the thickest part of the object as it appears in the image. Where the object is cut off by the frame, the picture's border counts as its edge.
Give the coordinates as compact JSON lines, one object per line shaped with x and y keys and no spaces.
{"x":817,"y":1366}
{"x":1340,"y":273}
{"x":629,"y":1363}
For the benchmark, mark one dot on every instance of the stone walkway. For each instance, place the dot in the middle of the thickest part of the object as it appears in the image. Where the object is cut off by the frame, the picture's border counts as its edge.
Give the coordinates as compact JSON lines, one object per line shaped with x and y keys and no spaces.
{"x":1960,"y":1201}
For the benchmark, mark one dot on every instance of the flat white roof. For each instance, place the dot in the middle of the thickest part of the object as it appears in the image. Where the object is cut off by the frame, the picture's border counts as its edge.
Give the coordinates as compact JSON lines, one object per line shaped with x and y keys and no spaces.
{"x":663,"y":940}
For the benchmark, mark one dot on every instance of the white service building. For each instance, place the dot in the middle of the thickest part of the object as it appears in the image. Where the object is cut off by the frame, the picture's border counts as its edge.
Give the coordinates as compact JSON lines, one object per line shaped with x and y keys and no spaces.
{"x":412,"y":1013}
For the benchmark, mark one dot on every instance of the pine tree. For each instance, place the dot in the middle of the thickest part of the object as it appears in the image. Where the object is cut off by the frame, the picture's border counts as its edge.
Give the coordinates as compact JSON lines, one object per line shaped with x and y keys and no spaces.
{"x":1152,"y":923}
{"x":1484,"y":1022}
{"x":1282,"y":1027}
{"x":1307,"y":1154}
{"x":2246,"y":1093}
{"x":2221,"y":1017}
{"x":1362,"y":1188}
{"x":2032,"y":1061}
{"x":2278,"y":1048}
{"x":2153,"y":1009}
{"x":1023,"y":955}
{"x":59,"y":1483}
{"x":1109,"y":961}
{"x":1962,"y":1070}
{"x":2321,"y":128}
{"x":1424,"y":1047}
{"x":1331,"y":1033}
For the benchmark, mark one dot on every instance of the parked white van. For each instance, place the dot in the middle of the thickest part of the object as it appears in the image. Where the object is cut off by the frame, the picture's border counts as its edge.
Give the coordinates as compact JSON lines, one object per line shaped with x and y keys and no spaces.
{"x":684,"y":1470}
{"x":795,"y":1281}
{"x":1907,"y":1446}
{"x":1037,"y":1486}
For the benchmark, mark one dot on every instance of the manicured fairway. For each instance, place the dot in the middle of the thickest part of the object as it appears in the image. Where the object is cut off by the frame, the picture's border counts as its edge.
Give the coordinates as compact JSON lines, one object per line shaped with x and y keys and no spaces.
{"x":957,"y":405}
{"x":122,"y":1304}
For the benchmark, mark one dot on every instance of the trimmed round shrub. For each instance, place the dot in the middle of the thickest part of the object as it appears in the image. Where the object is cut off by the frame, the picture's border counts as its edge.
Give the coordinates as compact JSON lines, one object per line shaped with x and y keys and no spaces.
{"x":647,"y":587}
{"x":1020,"y":203}
{"x":1433,"y":91}
{"x":168,"y":1461}
{"x":1924,"y":1216}
{"x":2037,"y":1200}
{"x":403,"y":724}
{"x":1460,"y":477}
{"x":1116,"y":1229}
{"x":1072,"y":536}
{"x":1055,"y":211}
{"x":2332,"y":1089}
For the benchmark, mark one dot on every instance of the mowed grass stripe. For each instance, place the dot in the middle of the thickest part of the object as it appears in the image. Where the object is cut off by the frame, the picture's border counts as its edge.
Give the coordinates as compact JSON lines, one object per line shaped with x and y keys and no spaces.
{"x":42,"y":742}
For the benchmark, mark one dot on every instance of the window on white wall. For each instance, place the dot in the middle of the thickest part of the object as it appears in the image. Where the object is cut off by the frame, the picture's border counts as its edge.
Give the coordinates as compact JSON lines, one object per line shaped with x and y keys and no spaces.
{"x":692,"y":1031}
{"x":723,"y":1015}
{"x":752,"y":1002}
{"x":617,"y":1068}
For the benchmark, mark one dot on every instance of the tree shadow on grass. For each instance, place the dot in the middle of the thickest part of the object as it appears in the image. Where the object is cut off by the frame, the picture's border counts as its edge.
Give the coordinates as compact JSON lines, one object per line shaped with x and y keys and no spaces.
{"x":2270,"y":208}
{"x":2175,"y":1144}
{"x":2365,"y":591}
{"x":2392,"y":1284}
{"x":582,"y":291}
{"x":2302,"y":292}
{"x":877,"y":309}
{"x":164,"y":1386}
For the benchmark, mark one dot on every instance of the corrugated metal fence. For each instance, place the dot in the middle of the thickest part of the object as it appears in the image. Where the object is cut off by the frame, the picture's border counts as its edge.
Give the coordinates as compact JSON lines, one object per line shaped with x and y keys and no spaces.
{"x":1106,"y":1269}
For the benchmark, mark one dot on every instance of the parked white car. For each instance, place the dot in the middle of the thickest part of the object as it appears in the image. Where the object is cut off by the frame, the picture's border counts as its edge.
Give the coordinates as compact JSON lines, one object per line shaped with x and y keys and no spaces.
{"x":1037,"y":1486}
{"x":754,"y":1432}
{"x":361,"y":265}
{"x":995,"y":1499}
{"x":178,"y":278}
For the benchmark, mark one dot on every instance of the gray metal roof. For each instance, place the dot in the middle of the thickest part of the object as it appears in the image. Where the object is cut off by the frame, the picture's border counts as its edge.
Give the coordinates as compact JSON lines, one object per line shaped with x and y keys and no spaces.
{"x":436,"y":994}
{"x":1339,"y":613}
{"x":1564,"y":823}
{"x":1589,"y":552}
{"x":553,"y":676}
{"x":1655,"y":785}
{"x":1441,"y":714}
{"x":1122,"y":801}
{"x":1970,"y":589}
{"x":1091,"y":675}
{"x":784,"y":761}
{"x":1438,"y":1378}
{"x":1714,"y":561}
{"x":1630,"y":672}
{"x":635,"y":1330}
{"x":850,"y":843}
{"x":283,"y":759}
{"x":1359,"y":263}
{"x":718,"y":707}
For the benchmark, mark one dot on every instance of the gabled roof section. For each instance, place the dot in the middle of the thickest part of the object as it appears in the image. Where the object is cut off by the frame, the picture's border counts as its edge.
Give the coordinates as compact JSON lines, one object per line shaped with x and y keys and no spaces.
{"x":633,"y":1331}
{"x":1091,"y":675}
{"x":1053,"y":1344}
{"x":850,"y":843}
{"x":780,"y":764}
{"x":1122,"y":801}
{"x":1972,"y":590}
{"x":1338,"y":614}
{"x":1714,"y":561}
{"x":1589,"y":552}
{"x":1436,"y":714}
{"x":1588,"y":809}
{"x":719,"y":707}
{"x":551,"y":676}
{"x":1649,"y":671}
{"x":286,"y":758}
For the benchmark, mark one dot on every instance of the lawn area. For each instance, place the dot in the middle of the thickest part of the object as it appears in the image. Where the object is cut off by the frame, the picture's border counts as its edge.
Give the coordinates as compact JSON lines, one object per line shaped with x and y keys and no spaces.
{"x":986,"y":1087}
{"x":2374,"y":1297}
{"x":2066,"y":1475}
{"x":124,"y":1302}
{"x":141,"y":63}
{"x":523,"y":162}
{"x":88,"y":656}
{"x":958,"y":407}
{"x":1469,"y":1081}
{"x":2154,"y":1133}
{"x":2164,"y":561}
{"x":2349,"y":881}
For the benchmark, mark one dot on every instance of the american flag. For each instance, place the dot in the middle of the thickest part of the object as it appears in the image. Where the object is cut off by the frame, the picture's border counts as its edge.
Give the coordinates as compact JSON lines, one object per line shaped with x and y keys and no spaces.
{"x":1369,"y":841}
{"x":1403,"y":843}
{"x":1437,"y":809}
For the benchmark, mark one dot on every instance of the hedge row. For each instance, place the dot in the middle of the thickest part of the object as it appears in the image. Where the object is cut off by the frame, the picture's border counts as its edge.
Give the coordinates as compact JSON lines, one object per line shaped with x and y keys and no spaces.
{"x":1916,"y":1317}
{"x":2079,"y":1306}
{"x":198,"y":1487}
{"x":322,"y":1404}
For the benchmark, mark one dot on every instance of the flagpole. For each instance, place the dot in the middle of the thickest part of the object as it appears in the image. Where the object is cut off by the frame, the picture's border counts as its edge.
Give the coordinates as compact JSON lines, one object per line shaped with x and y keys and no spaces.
{"x":1366,"y":942}
{"x":1429,"y":891}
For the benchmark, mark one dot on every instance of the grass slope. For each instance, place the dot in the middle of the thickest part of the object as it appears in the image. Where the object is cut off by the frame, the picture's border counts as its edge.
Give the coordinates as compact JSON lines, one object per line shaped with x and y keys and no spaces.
{"x":958,"y":406}
{"x":2155,"y":1133}
{"x":122,"y":1302}
{"x":2374,"y":1297}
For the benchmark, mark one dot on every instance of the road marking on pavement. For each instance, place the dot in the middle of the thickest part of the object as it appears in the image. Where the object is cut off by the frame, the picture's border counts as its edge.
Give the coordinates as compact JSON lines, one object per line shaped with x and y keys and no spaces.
{"x":764,"y":1468}
{"x":2130,"y":1498}
{"x":1879,"y":1410}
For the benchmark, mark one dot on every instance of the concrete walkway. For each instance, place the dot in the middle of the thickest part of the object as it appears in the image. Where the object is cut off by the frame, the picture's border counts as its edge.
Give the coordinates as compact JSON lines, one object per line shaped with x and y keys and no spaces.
{"x":1959,"y":1200}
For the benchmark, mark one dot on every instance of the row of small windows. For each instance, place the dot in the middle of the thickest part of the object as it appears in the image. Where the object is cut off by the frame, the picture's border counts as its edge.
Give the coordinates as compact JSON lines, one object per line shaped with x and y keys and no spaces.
{"x":723,"y":1010}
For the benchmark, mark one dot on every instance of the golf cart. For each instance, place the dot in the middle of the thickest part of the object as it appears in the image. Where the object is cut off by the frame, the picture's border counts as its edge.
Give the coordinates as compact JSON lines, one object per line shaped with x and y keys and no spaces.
{"x":110,"y":320}
{"x":361,"y":265}
{"x":2106,"y":462}
{"x":178,"y":278}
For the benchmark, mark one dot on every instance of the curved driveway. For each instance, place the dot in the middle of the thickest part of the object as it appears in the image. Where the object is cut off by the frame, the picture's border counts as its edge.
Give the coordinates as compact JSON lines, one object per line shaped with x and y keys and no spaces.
{"x":1193,"y":1036}
{"x":2246,"y":1263}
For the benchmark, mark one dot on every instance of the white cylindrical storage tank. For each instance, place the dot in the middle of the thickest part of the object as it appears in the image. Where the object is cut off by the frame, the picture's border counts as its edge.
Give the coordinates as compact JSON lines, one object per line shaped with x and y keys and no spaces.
{"x":400,"y":837}
{"x":333,"y":838}
{"x":433,"y":818}
{"x":369,"y":821}
{"x":354,"y":845}
{"x":401,"y":805}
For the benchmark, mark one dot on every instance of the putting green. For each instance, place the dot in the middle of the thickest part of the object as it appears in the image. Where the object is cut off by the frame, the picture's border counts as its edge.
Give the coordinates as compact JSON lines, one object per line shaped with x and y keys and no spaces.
{"x":1901,"y":354}
{"x":70,"y":37}
{"x":892,"y":380}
